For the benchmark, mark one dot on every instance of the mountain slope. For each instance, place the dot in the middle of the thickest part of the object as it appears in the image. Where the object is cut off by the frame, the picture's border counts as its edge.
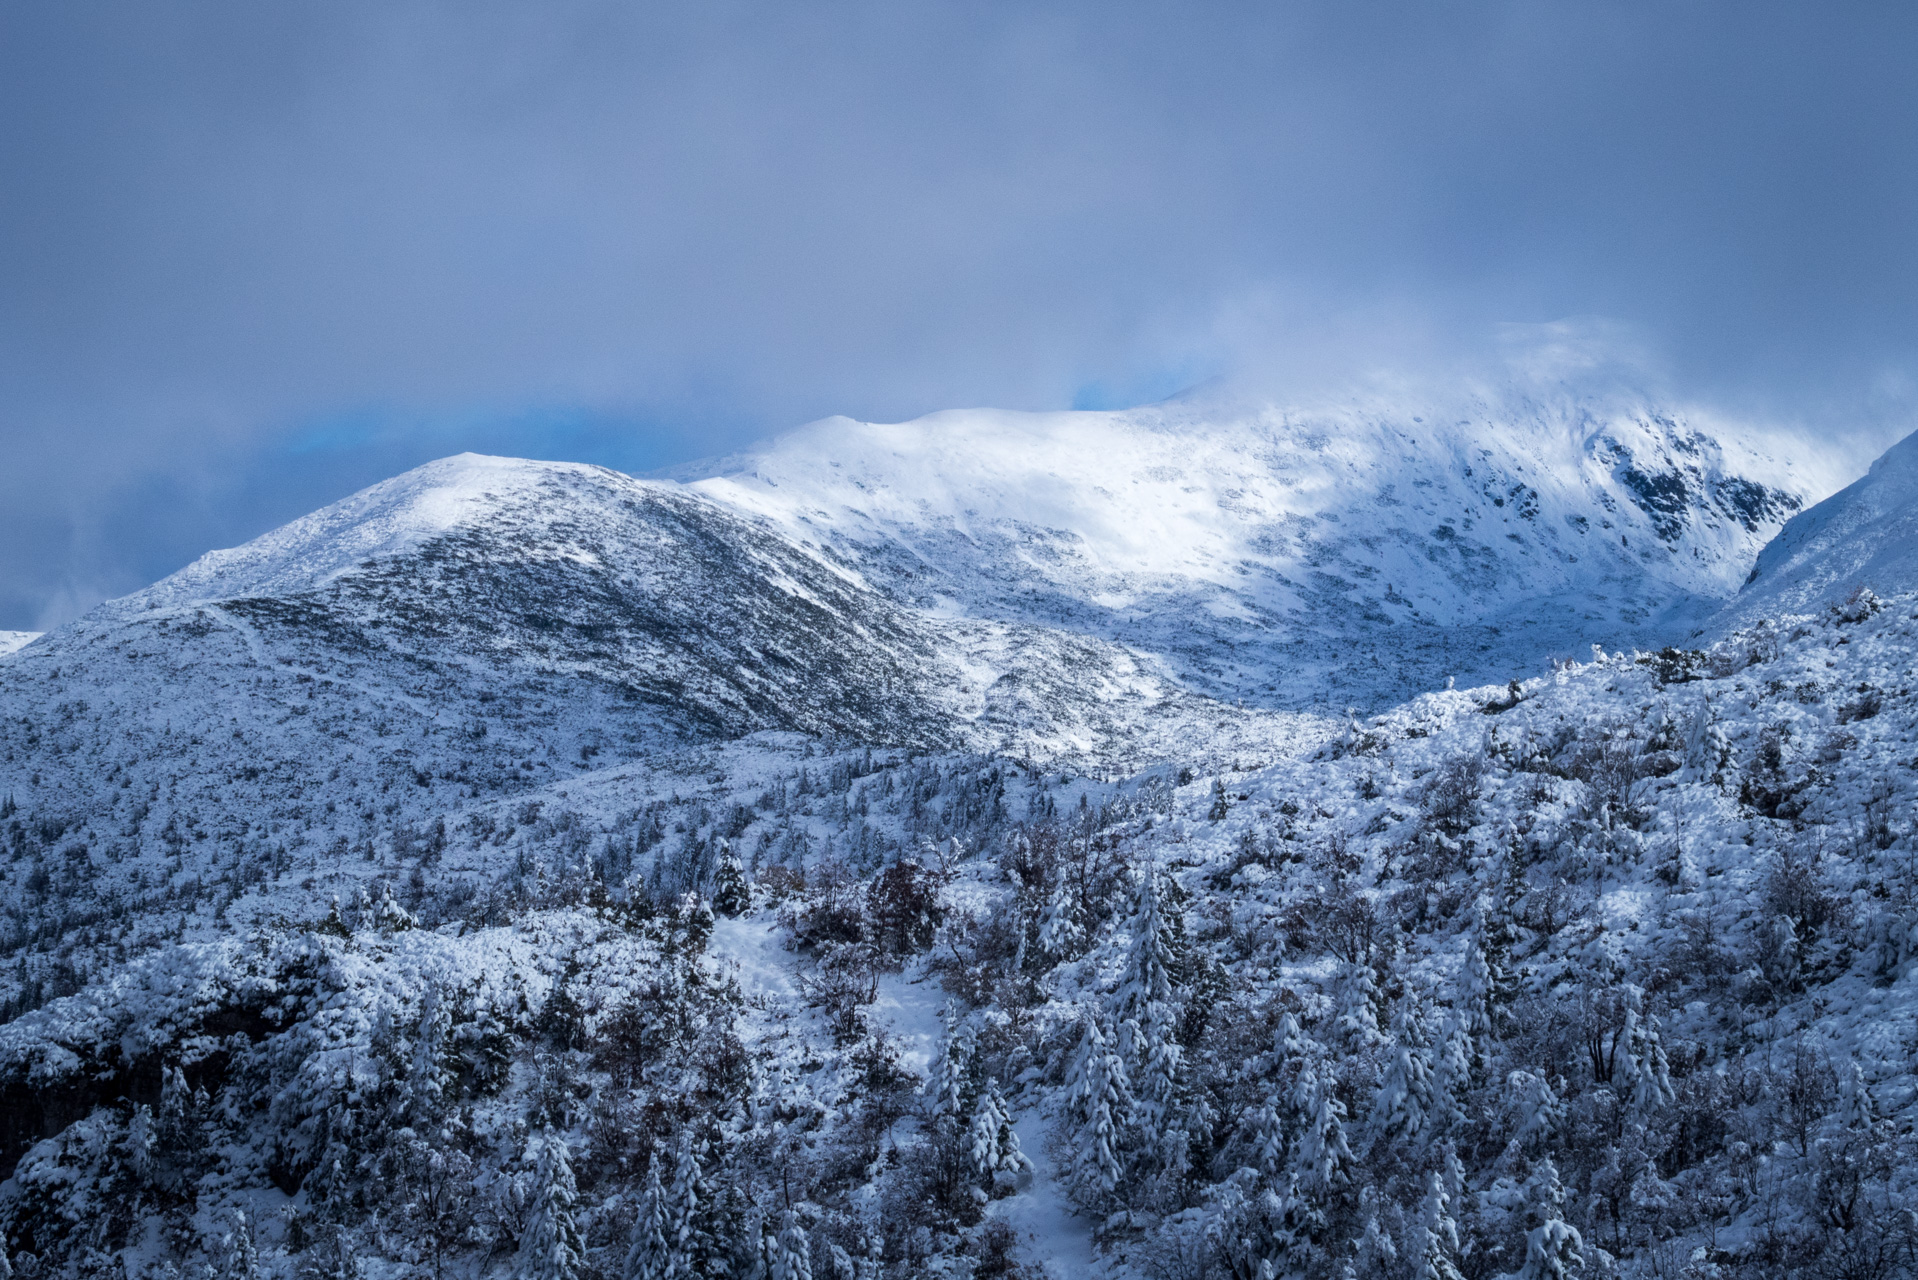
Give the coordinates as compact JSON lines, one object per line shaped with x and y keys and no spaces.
{"x":1864,"y":535}
{"x":482,"y":627}
{"x":1267,"y":554}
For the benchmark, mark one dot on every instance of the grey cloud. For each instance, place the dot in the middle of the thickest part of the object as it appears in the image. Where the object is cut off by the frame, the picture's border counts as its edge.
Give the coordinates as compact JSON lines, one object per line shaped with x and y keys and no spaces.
{"x":253,"y":255}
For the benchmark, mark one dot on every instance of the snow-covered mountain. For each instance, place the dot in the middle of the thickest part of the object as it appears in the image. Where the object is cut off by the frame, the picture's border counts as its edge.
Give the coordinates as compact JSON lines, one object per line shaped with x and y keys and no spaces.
{"x":1863,"y":536}
{"x":866,"y":838}
{"x":1357,"y":552}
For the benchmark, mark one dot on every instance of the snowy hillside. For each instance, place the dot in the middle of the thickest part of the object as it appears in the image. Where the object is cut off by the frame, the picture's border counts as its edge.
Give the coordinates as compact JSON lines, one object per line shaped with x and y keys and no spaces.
{"x":1864,"y":536}
{"x":12,"y":640}
{"x":1268,"y":554}
{"x":1607,"y":969}
{"x":859,"y":865}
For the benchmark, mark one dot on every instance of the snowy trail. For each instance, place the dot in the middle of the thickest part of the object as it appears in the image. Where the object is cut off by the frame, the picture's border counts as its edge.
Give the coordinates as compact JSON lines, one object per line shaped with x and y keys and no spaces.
{"x":908,"y":1010}
{"x":751,"y":945}
{"x":1050,"y":1233}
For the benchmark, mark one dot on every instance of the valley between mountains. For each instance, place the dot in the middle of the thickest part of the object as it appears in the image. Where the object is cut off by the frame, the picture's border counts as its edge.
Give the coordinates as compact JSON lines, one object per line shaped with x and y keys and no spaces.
{"x":1200,"y":841}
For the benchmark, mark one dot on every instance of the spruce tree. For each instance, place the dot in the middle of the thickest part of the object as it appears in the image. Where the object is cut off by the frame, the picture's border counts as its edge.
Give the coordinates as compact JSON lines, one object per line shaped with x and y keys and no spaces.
{"x":690,"y":1226}
{"x":949,"y":1088}
{"x":792,"y":1254}
{"x":1408,"y":1093}
{"x":1553,"y":1247}
{"x":1322,"y":1159}
{"x":552,"y":1248}
{"x":1100,"y":1095}
{"x":1145,"y":989}
{"x":994,"y":1147}
{"x":1439,"y":1234}
{"x":731,"y":895}
{"x":1060,"y":931}
{"x":1644,"y":1074}
{"x":651,"y":1255}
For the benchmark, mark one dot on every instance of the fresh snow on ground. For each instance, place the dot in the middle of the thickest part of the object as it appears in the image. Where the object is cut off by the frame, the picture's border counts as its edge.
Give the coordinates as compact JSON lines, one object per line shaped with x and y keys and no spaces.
{"x":858,"y":863}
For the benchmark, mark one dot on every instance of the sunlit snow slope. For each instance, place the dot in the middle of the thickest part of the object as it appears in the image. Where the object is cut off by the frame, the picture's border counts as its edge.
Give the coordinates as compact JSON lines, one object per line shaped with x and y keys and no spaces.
{"x":1297,"y":558}
{"x":1863,"y":536}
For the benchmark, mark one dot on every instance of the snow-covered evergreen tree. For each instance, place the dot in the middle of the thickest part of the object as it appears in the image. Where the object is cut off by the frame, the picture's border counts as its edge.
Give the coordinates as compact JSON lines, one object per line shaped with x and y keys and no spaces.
{"x":1060,"y":930}
{"x":993,"y":1146}
{"x":552,"y":1248}
{"x":1553,"y":1247}
{"x":1322,"y":1159}
{"x":1144,"y":993}
{"x":949,"y":1089}
{"x":792,"y":1252}
{"x":1358,"y":1019}
{"x":653,"y":1253}
{"x":1100,"y":1096}
{"x":731,"y":894}
{"x":1438,"y":1246}
{"x":1408,"y":1093}
{"x":1643,"y":1074}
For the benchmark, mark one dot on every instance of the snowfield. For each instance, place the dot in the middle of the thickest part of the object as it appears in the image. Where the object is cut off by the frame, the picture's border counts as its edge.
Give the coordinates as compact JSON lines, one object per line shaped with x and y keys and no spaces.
{"x":999,"y":845}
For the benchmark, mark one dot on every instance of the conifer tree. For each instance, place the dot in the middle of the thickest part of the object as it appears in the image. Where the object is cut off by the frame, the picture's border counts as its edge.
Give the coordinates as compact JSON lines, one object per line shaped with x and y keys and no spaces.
{"x":1268,"y":1141}
{"x":1476,"y":992}
{"x":691,"y":1222}
{"x":1145,"y":989}
{"x":1452,"y":1067}
{"x":552,"y":1248}
{"x":792,"y":1254}
{"x":1439,"y":1244}
{"x":1060,"y":931}
{"x":425,"y":1082}
{"x":388,"y":915}
{"x":140,"y":1141}
{"x":994,"y":1147}
{"x":731,"y":895}
{"x":1553,"y":1247}
{"x":242,"y":1258}
{"x":1359,"y":1006}
{"x":1322,"y":1158}
{"x":651,"y":1256}
{"x":1407,"y":1094}
{"x":1644,"y":1074}
{"x":1100,"y":1095}
{"x":949,"y":1088}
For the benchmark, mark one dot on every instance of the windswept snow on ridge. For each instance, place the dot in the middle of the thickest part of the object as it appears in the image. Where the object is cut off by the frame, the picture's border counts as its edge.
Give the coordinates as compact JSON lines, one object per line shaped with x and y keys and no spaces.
{"x":11,"y":641}
{"x":1249,"y":546}
{"x":388,"y":519}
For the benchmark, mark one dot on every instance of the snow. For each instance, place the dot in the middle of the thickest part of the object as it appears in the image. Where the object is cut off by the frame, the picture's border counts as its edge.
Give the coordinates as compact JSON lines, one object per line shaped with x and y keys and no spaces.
{"x":752,"y":948}
{"x":11,"y":641}
{"x":908,"y":1008}
{"x":1053,"y":1235}
{"x":1251,"y":548}
{"x":378,"y":523}
{"x":1866,"y":535}
{"x":426,"y":690}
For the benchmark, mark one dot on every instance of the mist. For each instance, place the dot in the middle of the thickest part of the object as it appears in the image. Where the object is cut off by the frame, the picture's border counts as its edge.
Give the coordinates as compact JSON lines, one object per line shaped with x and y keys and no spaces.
{"x":254,"y":256}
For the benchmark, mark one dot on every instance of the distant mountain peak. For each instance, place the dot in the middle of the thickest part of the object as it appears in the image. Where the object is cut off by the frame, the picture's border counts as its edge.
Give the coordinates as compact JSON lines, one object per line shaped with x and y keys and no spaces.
{"x":1236,"y":540}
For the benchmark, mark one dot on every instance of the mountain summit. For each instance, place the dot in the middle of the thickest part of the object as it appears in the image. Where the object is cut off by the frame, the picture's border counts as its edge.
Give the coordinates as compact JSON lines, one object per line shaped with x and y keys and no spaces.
{"x":1300,"y":558}
{"x":520,"y":860}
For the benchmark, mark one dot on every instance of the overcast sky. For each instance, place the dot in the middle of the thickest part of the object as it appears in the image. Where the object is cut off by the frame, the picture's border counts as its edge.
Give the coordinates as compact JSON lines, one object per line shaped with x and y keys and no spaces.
{"x":256,"y":255}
